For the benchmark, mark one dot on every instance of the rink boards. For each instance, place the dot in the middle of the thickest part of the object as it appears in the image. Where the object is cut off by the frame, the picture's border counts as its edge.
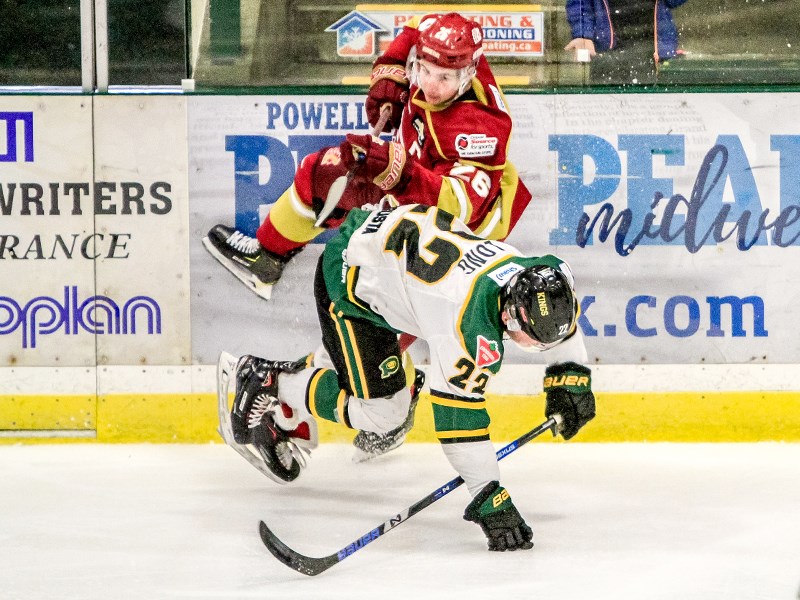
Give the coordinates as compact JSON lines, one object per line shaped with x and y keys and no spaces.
{"x":112,"y":314}
{"x":134,"y":406}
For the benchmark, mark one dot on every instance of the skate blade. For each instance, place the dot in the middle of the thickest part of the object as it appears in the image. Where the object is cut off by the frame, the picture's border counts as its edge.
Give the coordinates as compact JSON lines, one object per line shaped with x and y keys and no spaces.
{"x":226,"y":365}
{"x":360,"y":456}
{"x":262,"y":290}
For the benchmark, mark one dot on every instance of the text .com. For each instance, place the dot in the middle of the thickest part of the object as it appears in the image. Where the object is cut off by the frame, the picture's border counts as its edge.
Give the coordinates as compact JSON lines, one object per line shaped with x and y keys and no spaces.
{"x":681,"y":316}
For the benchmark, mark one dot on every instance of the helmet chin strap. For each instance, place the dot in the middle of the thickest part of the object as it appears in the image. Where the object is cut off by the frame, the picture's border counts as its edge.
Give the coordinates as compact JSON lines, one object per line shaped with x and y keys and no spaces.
{"x":513,"y":325}
{"x":412,"y":69}
{"x":511,"y":321}
{"x":467,"y":73}
{"x":464,"y":77}
{"x":528,"y":349}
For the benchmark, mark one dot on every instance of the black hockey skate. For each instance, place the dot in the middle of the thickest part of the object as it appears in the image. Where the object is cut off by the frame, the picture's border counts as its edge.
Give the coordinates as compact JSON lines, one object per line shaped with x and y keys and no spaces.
{"x":255,"y":410}
{"x":370,"y":445}
{"x":245,"y":258}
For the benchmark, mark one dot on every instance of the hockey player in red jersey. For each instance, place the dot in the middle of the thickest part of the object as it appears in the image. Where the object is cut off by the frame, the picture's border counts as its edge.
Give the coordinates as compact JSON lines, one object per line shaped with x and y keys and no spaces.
{"x":450,"y":150}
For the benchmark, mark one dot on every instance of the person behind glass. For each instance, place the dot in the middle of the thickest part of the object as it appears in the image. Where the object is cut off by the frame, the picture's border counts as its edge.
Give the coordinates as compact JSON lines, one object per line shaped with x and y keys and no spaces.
{"x":624,"y":39}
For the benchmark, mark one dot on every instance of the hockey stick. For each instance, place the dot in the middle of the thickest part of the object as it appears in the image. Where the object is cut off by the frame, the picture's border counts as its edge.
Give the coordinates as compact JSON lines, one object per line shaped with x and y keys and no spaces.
{"x":308,"y":565}
{"x":339,"y":185}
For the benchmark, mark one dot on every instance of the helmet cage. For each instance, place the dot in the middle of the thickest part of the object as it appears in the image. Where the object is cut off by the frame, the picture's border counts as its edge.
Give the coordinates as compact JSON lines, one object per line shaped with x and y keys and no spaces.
{"x":464,"y":74}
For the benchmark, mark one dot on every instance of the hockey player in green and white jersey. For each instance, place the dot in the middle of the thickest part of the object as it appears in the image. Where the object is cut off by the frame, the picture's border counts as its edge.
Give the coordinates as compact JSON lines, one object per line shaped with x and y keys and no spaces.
{"x":419,"y":270}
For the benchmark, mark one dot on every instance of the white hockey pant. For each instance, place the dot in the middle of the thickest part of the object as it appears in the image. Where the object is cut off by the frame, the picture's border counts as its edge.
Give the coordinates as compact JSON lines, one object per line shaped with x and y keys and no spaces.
{"x":379,"y":415}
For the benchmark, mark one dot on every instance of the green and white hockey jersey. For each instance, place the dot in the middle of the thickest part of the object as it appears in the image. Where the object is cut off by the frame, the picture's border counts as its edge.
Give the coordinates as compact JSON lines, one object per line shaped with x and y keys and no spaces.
{"x":419,"y":270}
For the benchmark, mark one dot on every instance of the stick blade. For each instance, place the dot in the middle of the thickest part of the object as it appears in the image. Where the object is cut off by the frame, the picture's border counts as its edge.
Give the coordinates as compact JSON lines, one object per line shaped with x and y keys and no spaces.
{"x":335,"y":193}
{"x":307,"y":565}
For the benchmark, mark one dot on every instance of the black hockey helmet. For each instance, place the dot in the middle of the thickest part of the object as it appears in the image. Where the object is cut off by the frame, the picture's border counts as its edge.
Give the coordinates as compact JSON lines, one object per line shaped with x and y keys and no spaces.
{"x":541,"y":303}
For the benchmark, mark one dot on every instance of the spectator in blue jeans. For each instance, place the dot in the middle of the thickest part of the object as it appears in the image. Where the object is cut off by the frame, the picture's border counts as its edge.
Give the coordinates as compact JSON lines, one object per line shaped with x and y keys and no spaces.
{"x":625,"y":39}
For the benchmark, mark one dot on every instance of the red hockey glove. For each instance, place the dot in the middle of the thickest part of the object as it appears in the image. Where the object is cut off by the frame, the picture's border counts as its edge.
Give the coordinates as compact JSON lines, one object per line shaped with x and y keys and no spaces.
{"x":358,"y":193}
{"x":388,"y":85}
{"x":375,"y":160}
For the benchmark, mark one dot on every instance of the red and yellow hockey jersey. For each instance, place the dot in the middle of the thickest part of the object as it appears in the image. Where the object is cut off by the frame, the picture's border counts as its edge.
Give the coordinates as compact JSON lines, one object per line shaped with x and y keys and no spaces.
{"x":459,"y":151}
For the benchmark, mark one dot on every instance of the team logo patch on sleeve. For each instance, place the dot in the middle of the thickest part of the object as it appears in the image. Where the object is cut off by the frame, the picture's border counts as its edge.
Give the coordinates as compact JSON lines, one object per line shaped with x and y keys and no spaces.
{"x":389,"y":367}
{"x":474,"y":145}
{"x":488,"y":352}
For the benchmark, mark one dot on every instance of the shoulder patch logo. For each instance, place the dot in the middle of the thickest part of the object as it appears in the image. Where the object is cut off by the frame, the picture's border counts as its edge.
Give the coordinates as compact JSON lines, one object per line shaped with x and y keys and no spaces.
{"x":502,"y":275}
{"x":488,"y":352}
{"x":475,"y":145}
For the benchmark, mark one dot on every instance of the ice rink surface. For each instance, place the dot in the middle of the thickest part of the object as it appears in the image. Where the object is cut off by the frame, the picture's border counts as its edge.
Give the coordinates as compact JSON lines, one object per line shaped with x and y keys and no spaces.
{"x":610,"y":521}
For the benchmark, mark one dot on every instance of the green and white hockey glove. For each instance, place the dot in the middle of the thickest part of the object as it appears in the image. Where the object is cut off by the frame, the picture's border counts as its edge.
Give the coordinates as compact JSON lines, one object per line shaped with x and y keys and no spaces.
{"x":569,"y":393}
{"x":504,"y":527}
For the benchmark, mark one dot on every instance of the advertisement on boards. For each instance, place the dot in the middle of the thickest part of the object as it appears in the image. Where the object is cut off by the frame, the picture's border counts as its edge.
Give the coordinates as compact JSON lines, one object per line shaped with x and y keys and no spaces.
{"x":243,"y":152}
{"x":679,"y":214}
{"x":510,"y":30}
{"x":93,"y":231}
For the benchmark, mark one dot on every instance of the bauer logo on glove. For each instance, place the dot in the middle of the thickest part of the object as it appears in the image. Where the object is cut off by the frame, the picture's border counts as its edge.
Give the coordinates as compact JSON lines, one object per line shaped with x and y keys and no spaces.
{"x":574,"y":382}
{"x":568,"y":387}
{"x":388,"y":88}
{"x":503,"y":526}
{"x":375,"y":160}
